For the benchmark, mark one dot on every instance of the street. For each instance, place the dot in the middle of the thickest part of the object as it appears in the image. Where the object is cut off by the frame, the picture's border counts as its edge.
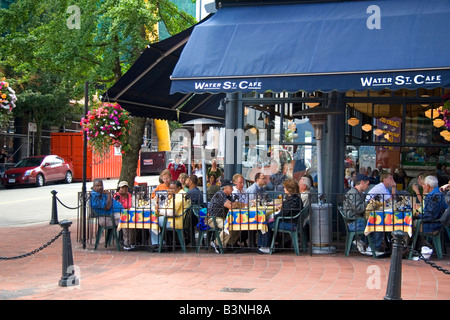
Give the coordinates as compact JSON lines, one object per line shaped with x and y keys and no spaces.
{"x":25,"y":206}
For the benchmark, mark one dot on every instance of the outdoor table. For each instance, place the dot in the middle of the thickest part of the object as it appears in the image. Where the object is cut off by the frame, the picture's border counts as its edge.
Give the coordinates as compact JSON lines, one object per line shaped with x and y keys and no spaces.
{"x":246,"y":219}
{"x":388,"y":221}
{"x":140,"y":218}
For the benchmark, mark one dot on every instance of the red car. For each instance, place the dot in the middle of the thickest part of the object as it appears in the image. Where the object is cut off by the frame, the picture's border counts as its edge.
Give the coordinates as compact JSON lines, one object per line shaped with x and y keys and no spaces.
{"x":38,"y":170}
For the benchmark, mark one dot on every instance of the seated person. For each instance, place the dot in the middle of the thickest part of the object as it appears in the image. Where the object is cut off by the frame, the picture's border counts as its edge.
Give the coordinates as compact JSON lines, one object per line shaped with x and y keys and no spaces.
{"x":124,"y":197}
{"x":354,"y":206}
{"x":291,"y":206}
{"x":382,"y":189}
{"x":104,"y":205}
{"x":219,"y":205}
{"x":433,"y":207}
{"x":164,"y":178}
{"x":239,"y":193}
{"x":213,"y":185}
{"x":415,"y":187}
{"x":194,"y":194}
{"x":257,"y":191}
{"x":182,"y":178}
{"x":175,"y":205}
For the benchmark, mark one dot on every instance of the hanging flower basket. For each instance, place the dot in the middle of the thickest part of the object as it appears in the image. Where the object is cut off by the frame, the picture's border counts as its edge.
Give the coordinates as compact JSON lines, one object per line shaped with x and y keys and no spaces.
{"x":445,"y":110}
{"x":106,"y":125}
{"x":7,"y":97}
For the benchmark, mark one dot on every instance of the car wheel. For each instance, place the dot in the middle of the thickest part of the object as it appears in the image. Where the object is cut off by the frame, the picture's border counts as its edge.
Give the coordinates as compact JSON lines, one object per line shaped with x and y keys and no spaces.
{"x":40,"y":180}
{"x":69,"y":177}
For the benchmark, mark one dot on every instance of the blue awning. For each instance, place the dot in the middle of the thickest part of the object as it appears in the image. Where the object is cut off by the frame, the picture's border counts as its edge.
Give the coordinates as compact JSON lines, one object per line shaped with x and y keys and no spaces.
{"x":324,"y":46}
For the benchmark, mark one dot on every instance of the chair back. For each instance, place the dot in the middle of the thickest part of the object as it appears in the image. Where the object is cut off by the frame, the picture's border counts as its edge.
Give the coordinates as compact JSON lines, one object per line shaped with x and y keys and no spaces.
{"x":341,"y":211}
{"x":304,"y":214}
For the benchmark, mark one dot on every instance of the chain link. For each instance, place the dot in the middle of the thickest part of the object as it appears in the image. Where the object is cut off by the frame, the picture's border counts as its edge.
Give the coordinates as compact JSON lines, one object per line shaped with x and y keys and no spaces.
{"x":427,"y":261}
{"x":74,"y":208}
{"x":34,"y":251}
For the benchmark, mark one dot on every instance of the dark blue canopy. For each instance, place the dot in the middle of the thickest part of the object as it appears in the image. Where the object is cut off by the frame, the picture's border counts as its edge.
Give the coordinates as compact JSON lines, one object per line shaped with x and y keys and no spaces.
{"x":322,"y":46}
{"x":144,"y":89}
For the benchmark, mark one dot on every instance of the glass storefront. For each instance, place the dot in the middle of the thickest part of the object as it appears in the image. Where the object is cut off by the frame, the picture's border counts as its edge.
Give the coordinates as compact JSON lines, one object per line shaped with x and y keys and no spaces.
{"x":383,"y":129}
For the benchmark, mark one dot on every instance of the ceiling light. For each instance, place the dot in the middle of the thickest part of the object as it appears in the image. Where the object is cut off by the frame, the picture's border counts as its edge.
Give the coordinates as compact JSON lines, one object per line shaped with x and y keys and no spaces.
{"x":438,"y":123}
{"x":353,"y":121}
{"x":367,"y":127}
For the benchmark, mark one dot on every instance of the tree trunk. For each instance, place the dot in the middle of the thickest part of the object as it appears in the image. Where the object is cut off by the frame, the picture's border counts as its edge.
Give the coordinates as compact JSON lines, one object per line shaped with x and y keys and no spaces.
{"x":131,"y":158}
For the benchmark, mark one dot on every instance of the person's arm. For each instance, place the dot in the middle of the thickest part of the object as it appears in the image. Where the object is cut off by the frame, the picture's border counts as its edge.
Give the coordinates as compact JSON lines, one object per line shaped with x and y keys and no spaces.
{"x":416,"y":189}
{"x":108,"y":200}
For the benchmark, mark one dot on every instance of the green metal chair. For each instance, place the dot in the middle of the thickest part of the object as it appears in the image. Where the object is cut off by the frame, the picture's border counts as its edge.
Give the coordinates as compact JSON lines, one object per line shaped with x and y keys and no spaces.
{"x":301,"y":217}
{"x":435,"y":237}
{"x":350,"y":235}
{"x":110,"y":233}
{"x":215,"y":229}
{"x":179,"y":232}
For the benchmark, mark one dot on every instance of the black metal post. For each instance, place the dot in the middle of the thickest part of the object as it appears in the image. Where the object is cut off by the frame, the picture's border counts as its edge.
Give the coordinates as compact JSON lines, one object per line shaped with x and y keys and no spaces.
{"x":394,"y":286}
{"x":54,"y":219}
{"x":68,"y":273}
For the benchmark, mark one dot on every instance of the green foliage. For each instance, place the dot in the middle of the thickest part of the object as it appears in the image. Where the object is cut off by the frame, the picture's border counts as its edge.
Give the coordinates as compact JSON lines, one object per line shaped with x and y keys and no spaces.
{"x":51,"y":51}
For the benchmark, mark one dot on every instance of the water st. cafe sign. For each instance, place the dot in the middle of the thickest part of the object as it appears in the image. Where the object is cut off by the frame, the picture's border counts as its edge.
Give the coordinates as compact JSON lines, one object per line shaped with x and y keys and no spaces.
{"x":368,"y":82}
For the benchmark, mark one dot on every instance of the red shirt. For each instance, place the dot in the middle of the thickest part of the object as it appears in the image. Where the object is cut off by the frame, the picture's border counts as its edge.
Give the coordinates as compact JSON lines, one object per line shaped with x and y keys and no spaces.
{"x":176,"y":173}
{"x":126,"y":202}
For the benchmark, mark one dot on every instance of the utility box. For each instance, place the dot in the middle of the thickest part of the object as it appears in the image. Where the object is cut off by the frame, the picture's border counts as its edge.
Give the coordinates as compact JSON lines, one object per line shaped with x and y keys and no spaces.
{"x":70,"y":147}
{"x":154,"y":162}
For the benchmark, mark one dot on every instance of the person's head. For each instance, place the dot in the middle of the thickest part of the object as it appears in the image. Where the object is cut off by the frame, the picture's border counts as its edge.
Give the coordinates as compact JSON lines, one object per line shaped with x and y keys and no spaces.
{"x":177,"y":158}
{"x":174,"y":187}
{"x":166,"y":177}
{"x":290,"y":186}
{"x":212,"y":179}
{"x":420,"y":178}
{"x":123,"y":187}
{"x":238,"y":180}
{"x":227,"y":187}
{"x":362,"y":182}
{"x":182,"y":178}
{"x":97,"y":185}
{"x":192,"y":181}
{"x":387,"y":179}
{"x":260,"y":179}
{"x":214,"y":163}
{"x":429,"y":183}
{"x":304,"y":184}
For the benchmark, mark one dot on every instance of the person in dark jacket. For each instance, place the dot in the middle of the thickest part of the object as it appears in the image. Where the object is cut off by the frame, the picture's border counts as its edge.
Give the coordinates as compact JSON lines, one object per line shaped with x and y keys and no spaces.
{"x":290,"y":207}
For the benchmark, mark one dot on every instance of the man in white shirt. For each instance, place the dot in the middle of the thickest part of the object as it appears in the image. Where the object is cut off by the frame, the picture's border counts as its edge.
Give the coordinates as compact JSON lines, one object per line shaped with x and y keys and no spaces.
{"x":382,"y":189}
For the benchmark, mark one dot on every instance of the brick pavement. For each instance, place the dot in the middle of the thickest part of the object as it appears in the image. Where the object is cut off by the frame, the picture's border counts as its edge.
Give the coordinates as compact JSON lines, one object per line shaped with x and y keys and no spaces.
{"x":107,"y":274}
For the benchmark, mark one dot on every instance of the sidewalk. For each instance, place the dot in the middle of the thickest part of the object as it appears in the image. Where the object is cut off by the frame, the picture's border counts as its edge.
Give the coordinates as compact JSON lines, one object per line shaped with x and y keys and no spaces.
{"x":107,"y":274}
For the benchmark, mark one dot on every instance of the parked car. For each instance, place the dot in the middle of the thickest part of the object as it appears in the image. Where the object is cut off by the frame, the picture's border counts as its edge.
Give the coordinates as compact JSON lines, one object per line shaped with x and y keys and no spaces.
{"x":38,"y":170}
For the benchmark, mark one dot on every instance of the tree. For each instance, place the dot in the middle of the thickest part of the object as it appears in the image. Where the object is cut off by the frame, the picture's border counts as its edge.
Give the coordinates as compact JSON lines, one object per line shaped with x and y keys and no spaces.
{"x":93,"y":40}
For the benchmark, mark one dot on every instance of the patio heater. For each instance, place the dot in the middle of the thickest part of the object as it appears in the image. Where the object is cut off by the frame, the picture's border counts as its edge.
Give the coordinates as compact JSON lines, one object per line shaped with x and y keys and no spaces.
{"x":320,"y":216}
{"x":200,"y":126}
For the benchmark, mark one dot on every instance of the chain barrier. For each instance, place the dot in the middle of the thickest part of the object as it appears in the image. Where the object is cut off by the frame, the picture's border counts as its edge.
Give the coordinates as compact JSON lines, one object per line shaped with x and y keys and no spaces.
{"x":427,"y":261}
{"x":34,"y":251}
{"x":75,"y":208}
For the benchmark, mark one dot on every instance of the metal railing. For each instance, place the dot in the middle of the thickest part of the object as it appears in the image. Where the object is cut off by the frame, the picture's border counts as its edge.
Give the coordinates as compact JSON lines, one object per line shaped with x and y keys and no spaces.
{"x":325,"y":228}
